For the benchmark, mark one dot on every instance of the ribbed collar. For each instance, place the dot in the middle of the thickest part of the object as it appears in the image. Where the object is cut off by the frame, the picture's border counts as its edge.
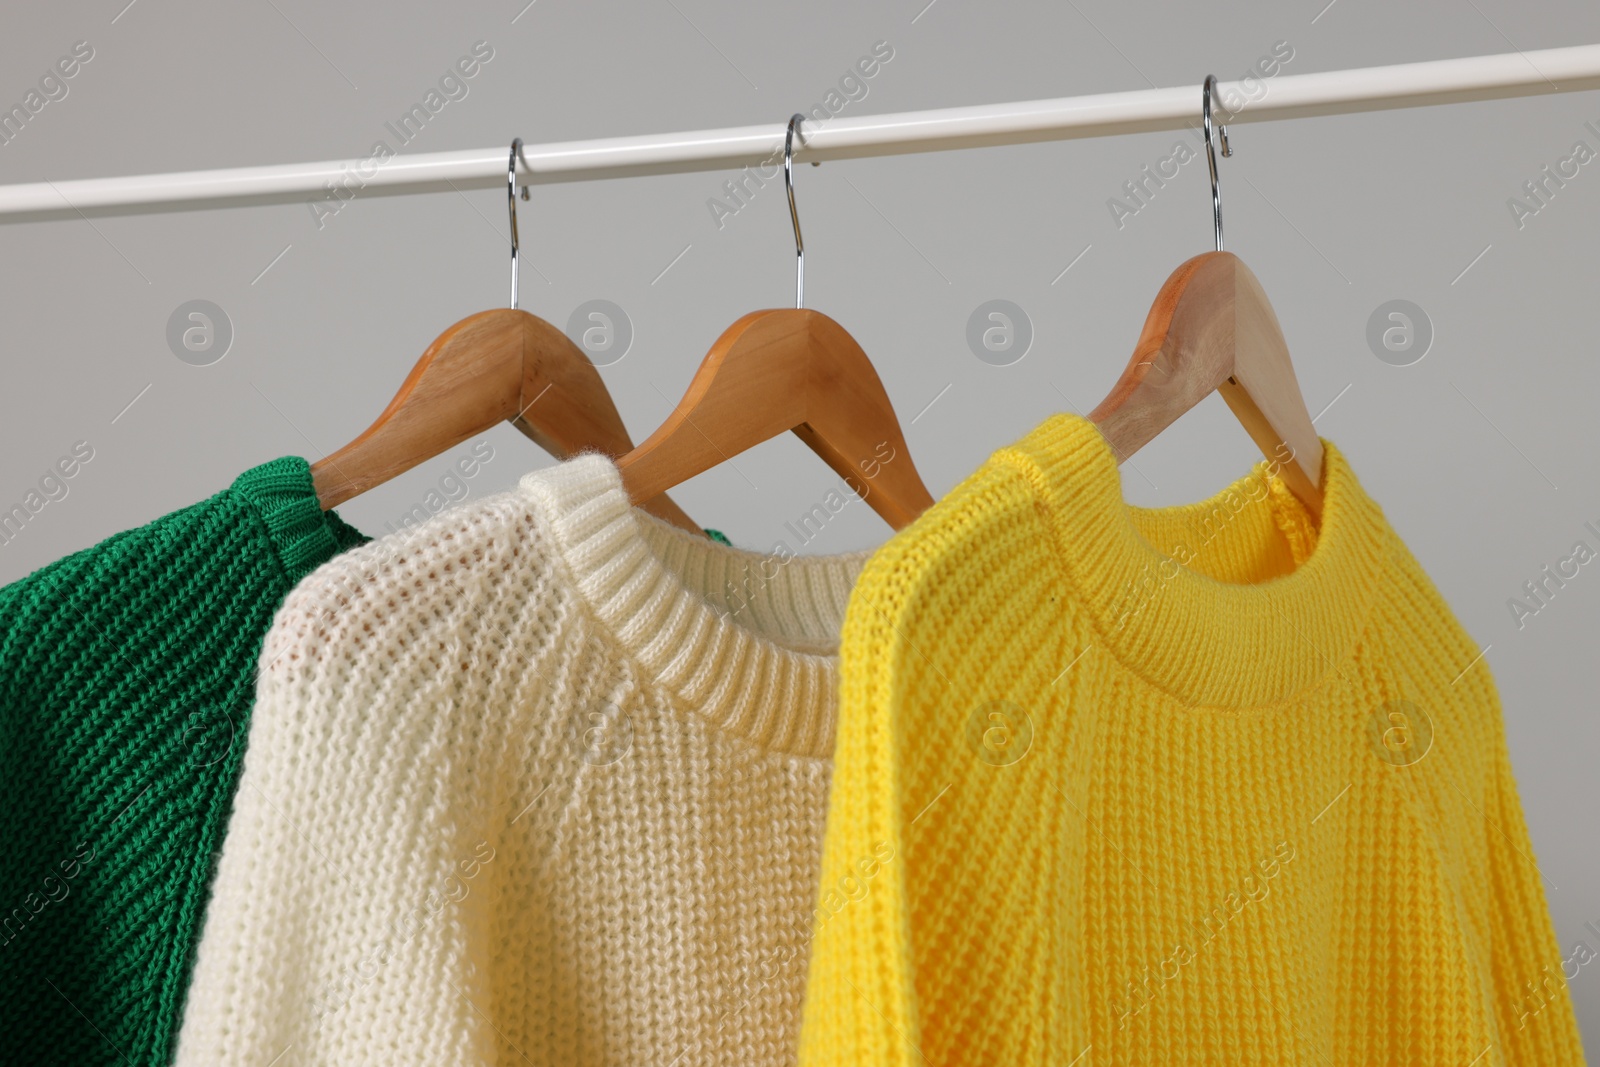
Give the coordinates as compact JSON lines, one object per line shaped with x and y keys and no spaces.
{"x":1236,"y":601}
{"x":746,"y":640}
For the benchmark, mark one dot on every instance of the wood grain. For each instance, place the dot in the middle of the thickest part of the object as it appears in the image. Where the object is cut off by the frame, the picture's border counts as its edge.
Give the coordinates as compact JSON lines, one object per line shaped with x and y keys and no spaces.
{"x":502,"y":365}
{"x":1211,"y":328}
{"x":775,"y":371}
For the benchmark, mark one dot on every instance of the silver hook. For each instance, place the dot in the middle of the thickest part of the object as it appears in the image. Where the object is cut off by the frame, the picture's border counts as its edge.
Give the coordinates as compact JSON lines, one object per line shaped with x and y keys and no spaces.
{"x":511,"y":205}
{"x":794,"y":215}
{"x":1206,"y":93}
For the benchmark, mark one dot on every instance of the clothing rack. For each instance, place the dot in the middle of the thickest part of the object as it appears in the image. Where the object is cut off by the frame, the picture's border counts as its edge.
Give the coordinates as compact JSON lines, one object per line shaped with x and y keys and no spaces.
{"x":1286,"y":96}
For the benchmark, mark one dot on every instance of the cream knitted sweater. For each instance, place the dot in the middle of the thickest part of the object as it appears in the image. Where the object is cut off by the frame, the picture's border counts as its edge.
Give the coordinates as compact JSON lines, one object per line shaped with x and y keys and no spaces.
{"x":541,"y":780}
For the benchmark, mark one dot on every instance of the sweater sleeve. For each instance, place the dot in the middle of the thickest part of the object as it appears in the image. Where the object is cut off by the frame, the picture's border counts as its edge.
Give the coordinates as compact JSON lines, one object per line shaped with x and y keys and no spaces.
{"x":126,"y":677}
{"x":1532,"y":1001}
{"x":933,"y":778}
{"x":860,"y":1003}
{"x":358,"y":880}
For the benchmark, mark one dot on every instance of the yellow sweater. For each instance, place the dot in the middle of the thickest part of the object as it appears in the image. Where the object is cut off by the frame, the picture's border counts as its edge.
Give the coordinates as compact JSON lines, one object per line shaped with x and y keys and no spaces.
{"x":1193,"y":785}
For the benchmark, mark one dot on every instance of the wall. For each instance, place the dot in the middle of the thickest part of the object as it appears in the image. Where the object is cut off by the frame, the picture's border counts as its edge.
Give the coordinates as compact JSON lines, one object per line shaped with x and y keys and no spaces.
{"x":1482,"y":452}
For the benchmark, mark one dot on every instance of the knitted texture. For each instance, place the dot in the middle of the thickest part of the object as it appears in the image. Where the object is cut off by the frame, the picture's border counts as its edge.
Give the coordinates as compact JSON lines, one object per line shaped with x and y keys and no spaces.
{"x":540,"y":780}
{"x":126,"y":679}
{"x":1203,"y":785}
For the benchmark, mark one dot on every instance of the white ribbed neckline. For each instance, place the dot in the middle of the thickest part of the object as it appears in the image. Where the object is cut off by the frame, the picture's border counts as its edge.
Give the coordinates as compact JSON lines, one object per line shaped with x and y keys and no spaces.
{"x":746,"y":640}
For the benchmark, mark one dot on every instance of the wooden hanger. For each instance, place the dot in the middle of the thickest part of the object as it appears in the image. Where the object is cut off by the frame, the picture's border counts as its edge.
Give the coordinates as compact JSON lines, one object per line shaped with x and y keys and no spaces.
{"x":1211,"y":328}
{"x":502,"y":365}
{"x":779,"y":370}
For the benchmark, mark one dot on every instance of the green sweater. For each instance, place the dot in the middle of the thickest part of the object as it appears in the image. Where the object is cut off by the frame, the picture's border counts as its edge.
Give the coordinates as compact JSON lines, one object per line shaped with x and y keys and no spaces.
{"x":127,"y":672}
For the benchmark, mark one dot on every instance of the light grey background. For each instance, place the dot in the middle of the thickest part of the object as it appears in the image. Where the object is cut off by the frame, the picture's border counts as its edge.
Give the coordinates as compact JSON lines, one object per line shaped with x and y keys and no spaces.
{"x":1482,"y":454}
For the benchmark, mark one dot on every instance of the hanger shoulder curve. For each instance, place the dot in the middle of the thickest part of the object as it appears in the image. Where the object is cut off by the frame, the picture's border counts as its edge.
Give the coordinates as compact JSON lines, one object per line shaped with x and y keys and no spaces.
{"x":1182,"y":356}
{"x":565,"y":406}
{"x":466,"y":382}
{"x":851,"y":424}
{"x":1264,"y":392}
{"x":779,"y":370}
{"x":495,"y":366}
{"x":1211,"y":328}
{"x":743,"y":387}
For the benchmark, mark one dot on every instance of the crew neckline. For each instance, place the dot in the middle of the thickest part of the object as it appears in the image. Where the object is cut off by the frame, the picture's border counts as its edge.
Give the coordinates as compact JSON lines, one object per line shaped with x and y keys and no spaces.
{"x":1206,"y":640}
{"x":746,"y":640}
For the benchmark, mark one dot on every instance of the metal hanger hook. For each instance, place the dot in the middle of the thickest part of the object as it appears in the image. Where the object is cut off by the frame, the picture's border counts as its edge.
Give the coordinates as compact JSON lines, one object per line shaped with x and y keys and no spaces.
{"x":1206,"y":93}
{"x":794,"y":215}
{"x":511,"y":206}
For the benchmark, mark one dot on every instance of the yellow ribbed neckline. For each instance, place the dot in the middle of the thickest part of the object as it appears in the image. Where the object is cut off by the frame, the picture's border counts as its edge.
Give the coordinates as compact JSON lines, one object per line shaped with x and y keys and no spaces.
{"x":1269,"y":606}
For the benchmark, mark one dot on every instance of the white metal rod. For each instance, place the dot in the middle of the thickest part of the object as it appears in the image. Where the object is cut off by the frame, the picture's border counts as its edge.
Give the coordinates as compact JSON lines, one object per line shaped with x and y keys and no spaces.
{"x":1286,"y":96}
